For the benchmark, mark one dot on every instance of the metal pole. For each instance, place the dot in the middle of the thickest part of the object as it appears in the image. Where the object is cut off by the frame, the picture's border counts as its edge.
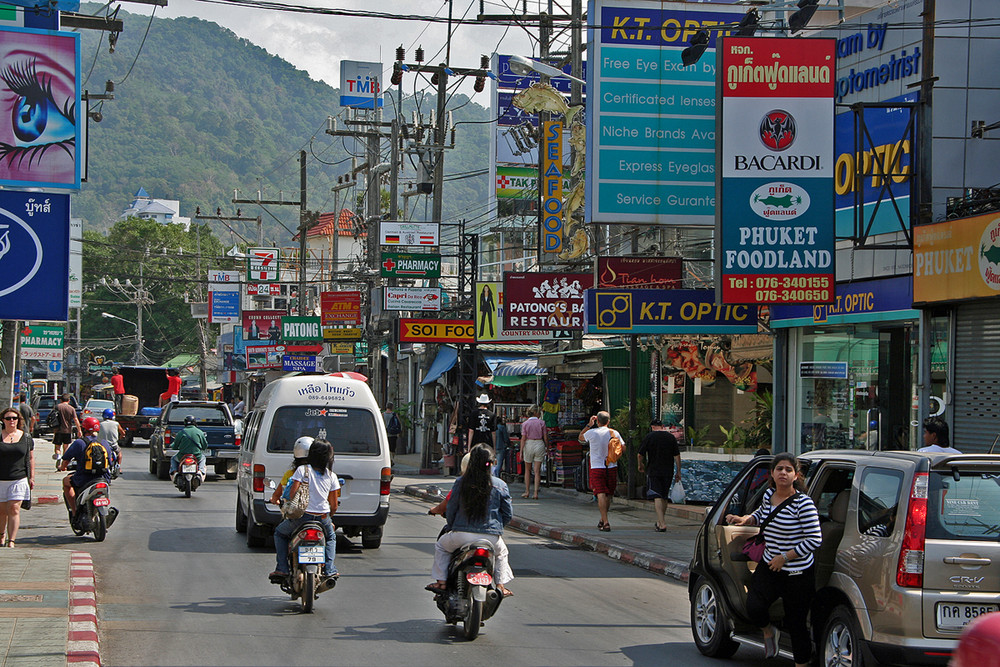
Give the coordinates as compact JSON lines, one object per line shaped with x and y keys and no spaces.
{"x":303,"y":229}
{"x":925,"y":196}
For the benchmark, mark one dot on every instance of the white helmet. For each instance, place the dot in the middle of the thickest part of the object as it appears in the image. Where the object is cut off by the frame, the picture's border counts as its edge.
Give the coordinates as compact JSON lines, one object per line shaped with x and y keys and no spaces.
{"x":301,"y":448}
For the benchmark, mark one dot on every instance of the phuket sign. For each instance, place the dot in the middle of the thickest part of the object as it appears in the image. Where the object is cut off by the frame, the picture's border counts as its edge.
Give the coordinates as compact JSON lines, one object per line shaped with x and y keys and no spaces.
{"x":957,"y":259}
{"x":775,"y":166}
{"x":639,"y":272}
{"x":410,"y":265}
{"x":545,"y":300}
{"x":657,"y":311}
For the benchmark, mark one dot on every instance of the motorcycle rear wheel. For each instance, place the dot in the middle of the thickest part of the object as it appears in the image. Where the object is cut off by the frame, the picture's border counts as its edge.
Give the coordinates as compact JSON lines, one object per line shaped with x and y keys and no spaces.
{"x":473,"y":618}
{"x":100,"y":527}
{"x":309,"y":592}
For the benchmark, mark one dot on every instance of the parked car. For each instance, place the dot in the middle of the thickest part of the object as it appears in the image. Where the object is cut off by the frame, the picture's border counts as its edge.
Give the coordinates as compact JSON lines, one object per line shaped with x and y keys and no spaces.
{"x":910,"y":555}
{"x":43,"y":404}
{"x":95,"y":407}
{"x":212,"y":417}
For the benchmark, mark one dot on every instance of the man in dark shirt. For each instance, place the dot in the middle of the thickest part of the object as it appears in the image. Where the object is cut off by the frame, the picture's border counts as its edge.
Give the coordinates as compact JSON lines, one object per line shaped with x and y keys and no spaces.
{"x":482,"y":424}
{"x":27,"y":414}
{"x":657,"y":454}
{"x":67,"y":427}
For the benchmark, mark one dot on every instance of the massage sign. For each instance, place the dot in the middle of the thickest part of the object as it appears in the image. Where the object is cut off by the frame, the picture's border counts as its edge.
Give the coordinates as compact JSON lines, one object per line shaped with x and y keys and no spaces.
{"x":775,"y":170}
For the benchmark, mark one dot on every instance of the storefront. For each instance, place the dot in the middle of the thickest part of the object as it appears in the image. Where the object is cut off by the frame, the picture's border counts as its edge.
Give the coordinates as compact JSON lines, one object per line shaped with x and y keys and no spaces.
{"x":849,"y":370}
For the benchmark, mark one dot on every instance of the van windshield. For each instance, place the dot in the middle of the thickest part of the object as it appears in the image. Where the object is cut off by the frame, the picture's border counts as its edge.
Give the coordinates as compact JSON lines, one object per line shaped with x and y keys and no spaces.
{"x":349,"y":430}
{"x":967,"y":508}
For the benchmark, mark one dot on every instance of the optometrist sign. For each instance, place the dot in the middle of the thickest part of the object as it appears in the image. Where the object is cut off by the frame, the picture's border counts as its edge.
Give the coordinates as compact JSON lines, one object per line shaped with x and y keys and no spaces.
{"x":775,"y":170}
{"x":34,"y":256}
{"x":660,"y":311}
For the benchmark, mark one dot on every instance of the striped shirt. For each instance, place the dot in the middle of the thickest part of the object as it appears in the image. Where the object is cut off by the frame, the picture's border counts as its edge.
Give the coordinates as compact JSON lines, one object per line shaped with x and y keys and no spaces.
{"x":796,"y":528}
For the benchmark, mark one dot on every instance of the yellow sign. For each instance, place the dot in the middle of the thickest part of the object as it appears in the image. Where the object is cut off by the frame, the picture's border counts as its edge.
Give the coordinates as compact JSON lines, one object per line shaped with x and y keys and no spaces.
{"x":957,"y":259}
{"x":552,"y":186}
{"x":346,"y":333}
{"x":341,"y":348}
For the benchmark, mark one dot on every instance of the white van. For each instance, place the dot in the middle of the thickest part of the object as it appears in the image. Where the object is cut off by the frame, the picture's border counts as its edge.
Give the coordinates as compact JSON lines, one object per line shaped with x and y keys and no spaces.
{"x":336,"y":409}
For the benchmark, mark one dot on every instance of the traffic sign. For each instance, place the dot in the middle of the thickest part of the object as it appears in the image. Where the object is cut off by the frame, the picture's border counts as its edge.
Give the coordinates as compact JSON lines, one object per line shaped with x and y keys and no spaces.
{"x":437,"y":331}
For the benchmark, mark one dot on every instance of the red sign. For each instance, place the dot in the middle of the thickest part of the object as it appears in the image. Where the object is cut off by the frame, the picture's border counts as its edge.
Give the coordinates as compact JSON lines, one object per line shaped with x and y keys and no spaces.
{"x":340,"y":308}
{"x":437,"y":331}
{"x":639,"y":272}
{"x":263,"y":289}
{"x":262,"y":325}
{"x":545,"y":300}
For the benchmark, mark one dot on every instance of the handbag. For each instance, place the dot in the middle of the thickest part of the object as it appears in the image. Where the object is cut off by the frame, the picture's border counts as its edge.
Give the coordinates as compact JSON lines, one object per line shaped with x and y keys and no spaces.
{"x":296,"y":506}
{"x":753,"y":548}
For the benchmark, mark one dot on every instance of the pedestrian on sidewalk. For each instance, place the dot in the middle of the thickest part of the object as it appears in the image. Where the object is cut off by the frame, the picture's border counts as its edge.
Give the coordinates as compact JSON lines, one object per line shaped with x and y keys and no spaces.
{"x":660,"y":459}
{"x":603,"y":475}
{"x":17,"y":473}
{"x":482,"y":424}
{"x":534,"y":440}
{"x":393,"y":427}
{"x":67,"y":427}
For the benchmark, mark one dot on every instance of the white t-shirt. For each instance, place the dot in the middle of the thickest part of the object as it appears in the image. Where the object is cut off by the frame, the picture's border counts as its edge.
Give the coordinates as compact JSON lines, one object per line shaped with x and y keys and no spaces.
{"x":109,"y":432}
{"x":320,"y":487}
{"x":599,"y":438}
{"x":938,"y":449}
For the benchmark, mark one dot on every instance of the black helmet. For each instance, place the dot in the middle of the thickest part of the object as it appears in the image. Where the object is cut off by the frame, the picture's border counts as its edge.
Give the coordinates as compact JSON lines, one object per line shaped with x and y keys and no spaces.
{"x":189,"y":420}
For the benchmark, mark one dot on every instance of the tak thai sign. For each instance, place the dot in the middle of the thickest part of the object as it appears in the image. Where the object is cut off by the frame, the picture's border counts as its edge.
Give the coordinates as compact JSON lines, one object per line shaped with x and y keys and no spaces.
{"x":639,"y":272}
{"x":658,"y":311}
{"x":775,"y":170}
{"x":545,"y":300}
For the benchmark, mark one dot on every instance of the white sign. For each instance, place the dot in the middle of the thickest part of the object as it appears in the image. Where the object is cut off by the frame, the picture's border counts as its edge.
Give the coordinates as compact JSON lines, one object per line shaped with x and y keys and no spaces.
{"x":360,"y":84}
{"x":55,"y":370}
{"x":223,"y":281}
{"x":75,"y":263}
{"x":262,"y":264}
{"x":409,"y":233}
{"x":412,"y":298}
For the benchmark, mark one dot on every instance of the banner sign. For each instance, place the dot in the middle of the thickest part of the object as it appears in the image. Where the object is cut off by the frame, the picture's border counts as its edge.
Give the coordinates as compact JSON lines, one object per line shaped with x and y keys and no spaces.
{"x":262,"y":264}
{"x":957,"y":259}
{"x":305,"y":363}
{"x":300,"y":329}
{"x":340,"y":308}
{"x":264,"y":356}
{"x":44,"y":343}
{"x":360,"y":84}
{"x":437,"y":331}
{"x":660,"y":311}
{"x":545,"y":300}
{"x":651,"y":124}
{"x":552,"y":186}
{"x":410,"y":265}
{"x":639,"y":272}
{"x":489,"y":318}
{"x":262,"y":325}
{"x":409,"y":233}
{"x":776,"y":219}
{"x":34,"y":255}
{"x":411,"y":298}
{"x":517,"y":182}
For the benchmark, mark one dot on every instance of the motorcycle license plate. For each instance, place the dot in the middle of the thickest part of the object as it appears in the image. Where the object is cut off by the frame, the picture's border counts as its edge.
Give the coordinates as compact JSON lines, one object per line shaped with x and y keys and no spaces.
{"x":315,"y":554}
{"x":189,"y":468}
{"x":98,"y":502}
{"x":479,"y":578}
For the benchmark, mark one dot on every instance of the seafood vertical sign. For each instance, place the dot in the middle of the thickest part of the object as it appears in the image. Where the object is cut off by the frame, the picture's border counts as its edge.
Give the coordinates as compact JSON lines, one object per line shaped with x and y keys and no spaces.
{"x":34,"y":256}
{"x":552,"y":186}
{"x":775,"y":170}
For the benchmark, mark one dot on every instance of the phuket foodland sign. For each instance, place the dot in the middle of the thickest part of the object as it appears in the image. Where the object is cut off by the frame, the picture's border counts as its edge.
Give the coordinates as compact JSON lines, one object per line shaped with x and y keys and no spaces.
{"x":651,"y":120}
{"x":775,"y":170}
{"x":957,"y":259}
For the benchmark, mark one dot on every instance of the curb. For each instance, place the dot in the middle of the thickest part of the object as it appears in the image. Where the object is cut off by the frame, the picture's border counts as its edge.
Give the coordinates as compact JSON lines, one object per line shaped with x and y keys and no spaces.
{"x":646,"y":560}
{"x":46,"y":500}
{"x":82,"y":642}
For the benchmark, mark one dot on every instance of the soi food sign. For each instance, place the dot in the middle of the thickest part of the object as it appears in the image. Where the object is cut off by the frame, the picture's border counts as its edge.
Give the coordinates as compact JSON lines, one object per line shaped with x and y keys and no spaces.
{"x":437,"y":331}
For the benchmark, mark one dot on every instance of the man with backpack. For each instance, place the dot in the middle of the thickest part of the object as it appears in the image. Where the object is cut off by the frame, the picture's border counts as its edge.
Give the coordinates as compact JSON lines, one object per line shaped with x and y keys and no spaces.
{"x":93,"y":461}
{"x":393,"y":427}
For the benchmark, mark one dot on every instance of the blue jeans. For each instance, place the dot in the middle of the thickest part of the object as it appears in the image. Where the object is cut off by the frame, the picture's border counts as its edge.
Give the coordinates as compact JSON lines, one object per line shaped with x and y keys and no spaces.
{"x":283,"y":535}
{"x":175,"y":463}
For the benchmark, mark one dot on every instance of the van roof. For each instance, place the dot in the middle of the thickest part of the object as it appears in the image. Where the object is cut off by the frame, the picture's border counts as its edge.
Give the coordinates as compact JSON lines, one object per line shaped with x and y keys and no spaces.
{"x":317,"y":389}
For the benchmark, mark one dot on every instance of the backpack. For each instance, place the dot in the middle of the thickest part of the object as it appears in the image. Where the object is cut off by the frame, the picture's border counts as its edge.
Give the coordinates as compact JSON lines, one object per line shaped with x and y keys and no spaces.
{"x":615,"y":447}
{"x":395,"y":427}
{"x":52,"y":419}
{"x":95,"y":458}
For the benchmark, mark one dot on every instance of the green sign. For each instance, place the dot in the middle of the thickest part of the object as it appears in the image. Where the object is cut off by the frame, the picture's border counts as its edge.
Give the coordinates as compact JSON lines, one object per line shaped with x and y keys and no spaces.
{"x":44,"y":343}
{"x":361,"y":352}
{"x":300,"y":329}
{"x":410,"y":265}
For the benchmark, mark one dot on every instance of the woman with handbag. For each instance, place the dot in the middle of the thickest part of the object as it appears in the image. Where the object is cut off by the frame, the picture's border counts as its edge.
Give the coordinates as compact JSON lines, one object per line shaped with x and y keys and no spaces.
{"x":17,"y":473}
{"x":789,"y":523}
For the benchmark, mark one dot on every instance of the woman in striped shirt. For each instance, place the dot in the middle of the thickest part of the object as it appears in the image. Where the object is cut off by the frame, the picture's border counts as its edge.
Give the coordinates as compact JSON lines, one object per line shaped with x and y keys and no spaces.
{"x":790,"y":539}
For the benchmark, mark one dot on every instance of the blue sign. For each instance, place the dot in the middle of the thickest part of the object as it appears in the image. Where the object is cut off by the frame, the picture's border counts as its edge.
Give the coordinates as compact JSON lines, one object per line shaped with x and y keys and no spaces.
{"x":507,"y":79}
{"x":225,"y":306}
{"x":55,"y":366}
{"x":879,"y":300}
{"x":34,"y":256}
{"x":299,"y":362}
{"x":834,"y":370}
{"x":661,"y":311}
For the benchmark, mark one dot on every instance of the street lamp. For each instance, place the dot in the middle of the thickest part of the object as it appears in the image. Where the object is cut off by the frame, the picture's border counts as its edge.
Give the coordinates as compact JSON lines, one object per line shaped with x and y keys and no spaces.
{"x":523,"y":66}
{"x":138,"y":335}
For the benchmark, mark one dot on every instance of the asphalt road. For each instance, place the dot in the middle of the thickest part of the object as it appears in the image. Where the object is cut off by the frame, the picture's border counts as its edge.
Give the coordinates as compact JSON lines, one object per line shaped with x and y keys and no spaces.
{"x":178,"y":586}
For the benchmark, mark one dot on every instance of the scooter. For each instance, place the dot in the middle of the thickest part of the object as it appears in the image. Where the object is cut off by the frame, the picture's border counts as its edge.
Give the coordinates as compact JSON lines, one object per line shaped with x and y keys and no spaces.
{"x":471,"y":594}
{"x":188,"y":478}
{"x":94,"y":513}
{"x":306,"y":559}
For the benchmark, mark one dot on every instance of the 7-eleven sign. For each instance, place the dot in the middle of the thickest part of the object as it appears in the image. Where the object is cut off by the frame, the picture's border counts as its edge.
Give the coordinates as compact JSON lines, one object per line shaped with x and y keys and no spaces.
{"x":262,"y":264}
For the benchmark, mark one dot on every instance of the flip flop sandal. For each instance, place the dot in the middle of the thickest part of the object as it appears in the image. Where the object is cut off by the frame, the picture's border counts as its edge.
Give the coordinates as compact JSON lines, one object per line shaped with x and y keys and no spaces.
{"x":437,"y":589}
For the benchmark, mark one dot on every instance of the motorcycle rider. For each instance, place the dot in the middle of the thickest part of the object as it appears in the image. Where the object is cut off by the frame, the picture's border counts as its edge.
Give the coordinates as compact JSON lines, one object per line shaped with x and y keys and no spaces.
{"x":300,"y":457}
{"x":77,"y":451}
{"x":111,"y":432}
{"x":190,"y":440}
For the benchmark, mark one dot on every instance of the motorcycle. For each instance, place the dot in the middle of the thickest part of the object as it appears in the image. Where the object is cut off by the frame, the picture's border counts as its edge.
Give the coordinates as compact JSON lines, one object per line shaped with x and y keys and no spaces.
{"x":306,"y":559}
{"x":94,"y":513}
{"x":188,"y":478}
{"x":471,"y":594}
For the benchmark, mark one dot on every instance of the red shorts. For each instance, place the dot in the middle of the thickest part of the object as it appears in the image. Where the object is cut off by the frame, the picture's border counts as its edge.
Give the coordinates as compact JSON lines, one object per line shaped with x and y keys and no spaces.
{"x":604,"y":480}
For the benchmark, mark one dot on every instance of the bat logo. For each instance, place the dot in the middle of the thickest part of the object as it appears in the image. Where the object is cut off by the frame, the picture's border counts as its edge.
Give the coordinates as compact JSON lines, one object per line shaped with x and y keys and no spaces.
{"x":777,"y":130}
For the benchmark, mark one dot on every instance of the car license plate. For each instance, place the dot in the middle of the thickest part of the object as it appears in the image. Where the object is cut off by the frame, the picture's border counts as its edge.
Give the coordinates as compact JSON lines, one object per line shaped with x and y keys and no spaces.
{"x":99,"y":502}
{"x":956,"y":615}
{"x":314,"y":554}
{"x":189,"y":468}
{"x":479,"y":578}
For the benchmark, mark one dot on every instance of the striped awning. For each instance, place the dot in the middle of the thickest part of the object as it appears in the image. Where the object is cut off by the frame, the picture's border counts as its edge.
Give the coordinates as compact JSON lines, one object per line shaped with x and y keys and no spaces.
{"x":519,"y":367}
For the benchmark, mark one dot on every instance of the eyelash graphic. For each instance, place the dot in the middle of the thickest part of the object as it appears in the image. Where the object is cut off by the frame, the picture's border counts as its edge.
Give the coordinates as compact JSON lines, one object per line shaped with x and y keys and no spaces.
{"x":36,"y":119}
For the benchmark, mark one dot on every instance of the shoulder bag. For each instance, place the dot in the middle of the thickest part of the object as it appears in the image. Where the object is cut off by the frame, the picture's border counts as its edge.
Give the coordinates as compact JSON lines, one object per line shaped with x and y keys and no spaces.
{"x":753,"y":548}
{"x":295,"y":507}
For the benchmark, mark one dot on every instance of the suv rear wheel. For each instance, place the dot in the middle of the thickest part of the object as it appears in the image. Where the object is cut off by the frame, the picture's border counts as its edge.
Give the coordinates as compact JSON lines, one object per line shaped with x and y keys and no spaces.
{"x":841,"y":641}
{"x":709,"y":624}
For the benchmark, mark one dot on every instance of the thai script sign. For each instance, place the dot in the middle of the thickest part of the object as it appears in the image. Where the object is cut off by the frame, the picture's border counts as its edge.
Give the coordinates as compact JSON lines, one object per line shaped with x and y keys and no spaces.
{"x":639,"y":272}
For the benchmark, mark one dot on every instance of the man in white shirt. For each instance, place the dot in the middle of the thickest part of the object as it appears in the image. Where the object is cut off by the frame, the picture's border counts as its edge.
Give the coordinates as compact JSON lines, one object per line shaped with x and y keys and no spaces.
{"x":603,"y":475}
{"x":936,"y":437}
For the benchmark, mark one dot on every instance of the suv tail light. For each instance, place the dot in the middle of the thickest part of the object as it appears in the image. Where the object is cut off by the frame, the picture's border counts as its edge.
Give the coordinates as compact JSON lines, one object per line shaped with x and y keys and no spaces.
{"x":258,"y":478}
{"x":385,"y":482}
{"x":167,"y":437}
{"x":910,"y":572}
{"x":239,"y":440}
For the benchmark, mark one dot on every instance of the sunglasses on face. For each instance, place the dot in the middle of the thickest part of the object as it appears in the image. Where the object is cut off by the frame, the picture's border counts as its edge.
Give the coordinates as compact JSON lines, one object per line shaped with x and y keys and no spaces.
{"x":10,"y":418}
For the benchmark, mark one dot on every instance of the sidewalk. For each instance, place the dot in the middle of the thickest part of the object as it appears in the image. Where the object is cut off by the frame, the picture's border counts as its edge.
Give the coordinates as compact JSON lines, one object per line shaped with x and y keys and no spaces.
{"x":48,"y":605}
{"x":571,"y":517}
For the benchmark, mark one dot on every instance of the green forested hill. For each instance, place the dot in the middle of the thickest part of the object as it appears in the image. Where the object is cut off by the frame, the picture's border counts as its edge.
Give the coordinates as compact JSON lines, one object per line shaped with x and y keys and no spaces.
{"x":204,"y":112}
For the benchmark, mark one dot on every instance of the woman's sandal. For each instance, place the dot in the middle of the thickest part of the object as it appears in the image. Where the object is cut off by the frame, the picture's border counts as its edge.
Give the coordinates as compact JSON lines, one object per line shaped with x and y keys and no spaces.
{"x":506,"y":591}
{"x":606,"y":528}
{"x":436,"y":588}
{"x":524,"y":495}
{"x":600,"y":525}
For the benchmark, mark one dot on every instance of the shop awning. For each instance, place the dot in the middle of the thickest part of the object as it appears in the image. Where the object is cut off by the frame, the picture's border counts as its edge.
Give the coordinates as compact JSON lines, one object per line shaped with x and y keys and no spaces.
{"x":527,"y":366}
{"x":493,"y":360}
{"x":443,"y":362}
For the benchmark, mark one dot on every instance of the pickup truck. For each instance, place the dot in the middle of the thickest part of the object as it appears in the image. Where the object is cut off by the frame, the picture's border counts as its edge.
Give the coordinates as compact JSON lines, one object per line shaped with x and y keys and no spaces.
{"x":212,"y":417}
{"x":145,"y":383}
